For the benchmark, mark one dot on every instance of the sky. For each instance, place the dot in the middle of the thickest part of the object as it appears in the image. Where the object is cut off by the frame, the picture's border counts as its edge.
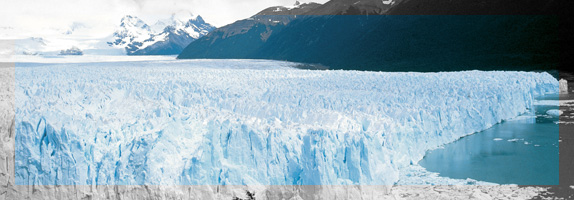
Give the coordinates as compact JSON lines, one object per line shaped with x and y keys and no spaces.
{"x":98,"y":18}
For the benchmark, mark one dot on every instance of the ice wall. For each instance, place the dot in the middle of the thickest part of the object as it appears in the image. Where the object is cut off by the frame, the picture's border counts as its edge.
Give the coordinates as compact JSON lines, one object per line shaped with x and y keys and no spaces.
{"x":238,"y":123}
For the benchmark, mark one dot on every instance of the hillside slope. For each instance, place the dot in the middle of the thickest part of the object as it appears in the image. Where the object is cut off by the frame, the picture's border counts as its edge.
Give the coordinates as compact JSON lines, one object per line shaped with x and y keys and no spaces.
{"x":375,"y":35}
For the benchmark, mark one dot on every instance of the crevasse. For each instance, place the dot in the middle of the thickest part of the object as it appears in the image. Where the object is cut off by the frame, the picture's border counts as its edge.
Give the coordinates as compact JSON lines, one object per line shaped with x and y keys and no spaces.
{"x":237,"y":122}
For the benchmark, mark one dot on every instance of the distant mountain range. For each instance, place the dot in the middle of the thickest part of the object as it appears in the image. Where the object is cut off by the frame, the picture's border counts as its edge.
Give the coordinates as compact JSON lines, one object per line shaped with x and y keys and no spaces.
{"x":165,"y":37}
{"x":242,"y":38}
{"x":132,"y":36}
{"x":377,"y":37}
{"x":29,"y":46}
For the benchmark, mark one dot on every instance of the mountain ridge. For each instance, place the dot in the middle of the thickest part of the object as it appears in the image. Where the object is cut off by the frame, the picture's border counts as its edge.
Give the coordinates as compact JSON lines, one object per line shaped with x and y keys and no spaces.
{"x":359,"y":36}
{"x":139,"y":38}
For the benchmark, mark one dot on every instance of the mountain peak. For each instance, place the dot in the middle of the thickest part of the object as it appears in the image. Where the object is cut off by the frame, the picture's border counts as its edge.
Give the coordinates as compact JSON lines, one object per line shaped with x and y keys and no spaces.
{"x":177,"y":20}
{"x":198,"y":19}
{"x":167,"y":36}
{"x":133,"y":21}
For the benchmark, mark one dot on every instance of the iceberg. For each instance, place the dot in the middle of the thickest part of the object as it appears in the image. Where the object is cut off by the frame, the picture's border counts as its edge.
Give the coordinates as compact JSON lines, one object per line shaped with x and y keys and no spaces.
{"x":554,"y":112}
{"x":247,"y":122}
{"x":563,"y":86}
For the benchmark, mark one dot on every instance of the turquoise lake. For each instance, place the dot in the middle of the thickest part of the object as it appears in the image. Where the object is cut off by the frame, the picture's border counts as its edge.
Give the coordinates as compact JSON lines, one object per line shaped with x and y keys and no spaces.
{"x":523,"y":151}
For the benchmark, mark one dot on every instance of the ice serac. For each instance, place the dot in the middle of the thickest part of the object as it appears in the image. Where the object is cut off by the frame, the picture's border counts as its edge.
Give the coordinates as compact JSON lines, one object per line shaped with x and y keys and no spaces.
{"x":563,"y":86}
{"x":234,"y":122}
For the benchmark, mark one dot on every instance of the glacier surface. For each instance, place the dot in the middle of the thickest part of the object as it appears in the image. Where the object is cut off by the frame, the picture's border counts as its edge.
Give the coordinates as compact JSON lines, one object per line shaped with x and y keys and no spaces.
{"x":247,"y":122}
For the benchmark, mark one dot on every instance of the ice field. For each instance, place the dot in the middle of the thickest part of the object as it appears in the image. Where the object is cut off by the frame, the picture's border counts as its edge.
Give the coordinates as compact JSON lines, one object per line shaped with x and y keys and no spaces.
{"x":248,"y":122}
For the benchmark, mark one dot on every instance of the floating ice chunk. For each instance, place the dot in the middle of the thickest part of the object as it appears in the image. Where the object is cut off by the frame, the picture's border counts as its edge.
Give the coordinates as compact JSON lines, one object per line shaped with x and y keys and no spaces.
{"x":554,"y":112}
{"x":566,"y":102}
{"x":563,"y":86}
{"x":547,"y":103}
{"x":526,"y":118}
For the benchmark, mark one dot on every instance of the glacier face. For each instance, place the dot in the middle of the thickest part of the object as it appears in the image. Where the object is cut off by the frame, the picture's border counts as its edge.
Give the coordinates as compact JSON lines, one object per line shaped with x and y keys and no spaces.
{"x":247,"y":122}
{"x":165,"y":37}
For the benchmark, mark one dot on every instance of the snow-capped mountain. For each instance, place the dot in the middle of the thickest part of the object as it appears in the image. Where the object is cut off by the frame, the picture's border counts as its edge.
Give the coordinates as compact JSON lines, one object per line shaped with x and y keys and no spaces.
{"x":165,"y":37}
{"x":132,"y":30}
{"x":30,"y":46}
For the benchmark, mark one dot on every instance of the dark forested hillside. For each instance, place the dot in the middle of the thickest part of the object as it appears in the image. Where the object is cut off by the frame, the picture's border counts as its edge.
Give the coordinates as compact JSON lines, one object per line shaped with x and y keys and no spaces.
{"x":401,"y":35}
{"x":400,"y":43}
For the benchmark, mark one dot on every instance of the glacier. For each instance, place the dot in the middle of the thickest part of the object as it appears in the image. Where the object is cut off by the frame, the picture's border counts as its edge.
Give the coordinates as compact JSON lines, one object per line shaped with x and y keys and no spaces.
{"x":247,"y":122}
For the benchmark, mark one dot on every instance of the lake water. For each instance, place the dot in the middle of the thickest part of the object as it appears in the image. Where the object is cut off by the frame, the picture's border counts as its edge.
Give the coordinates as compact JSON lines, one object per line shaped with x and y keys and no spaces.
{"x":523,"y":151}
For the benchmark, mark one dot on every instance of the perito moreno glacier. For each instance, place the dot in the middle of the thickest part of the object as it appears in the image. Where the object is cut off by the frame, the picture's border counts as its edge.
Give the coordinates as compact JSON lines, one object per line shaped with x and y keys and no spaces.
{"x":247,"y":122}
